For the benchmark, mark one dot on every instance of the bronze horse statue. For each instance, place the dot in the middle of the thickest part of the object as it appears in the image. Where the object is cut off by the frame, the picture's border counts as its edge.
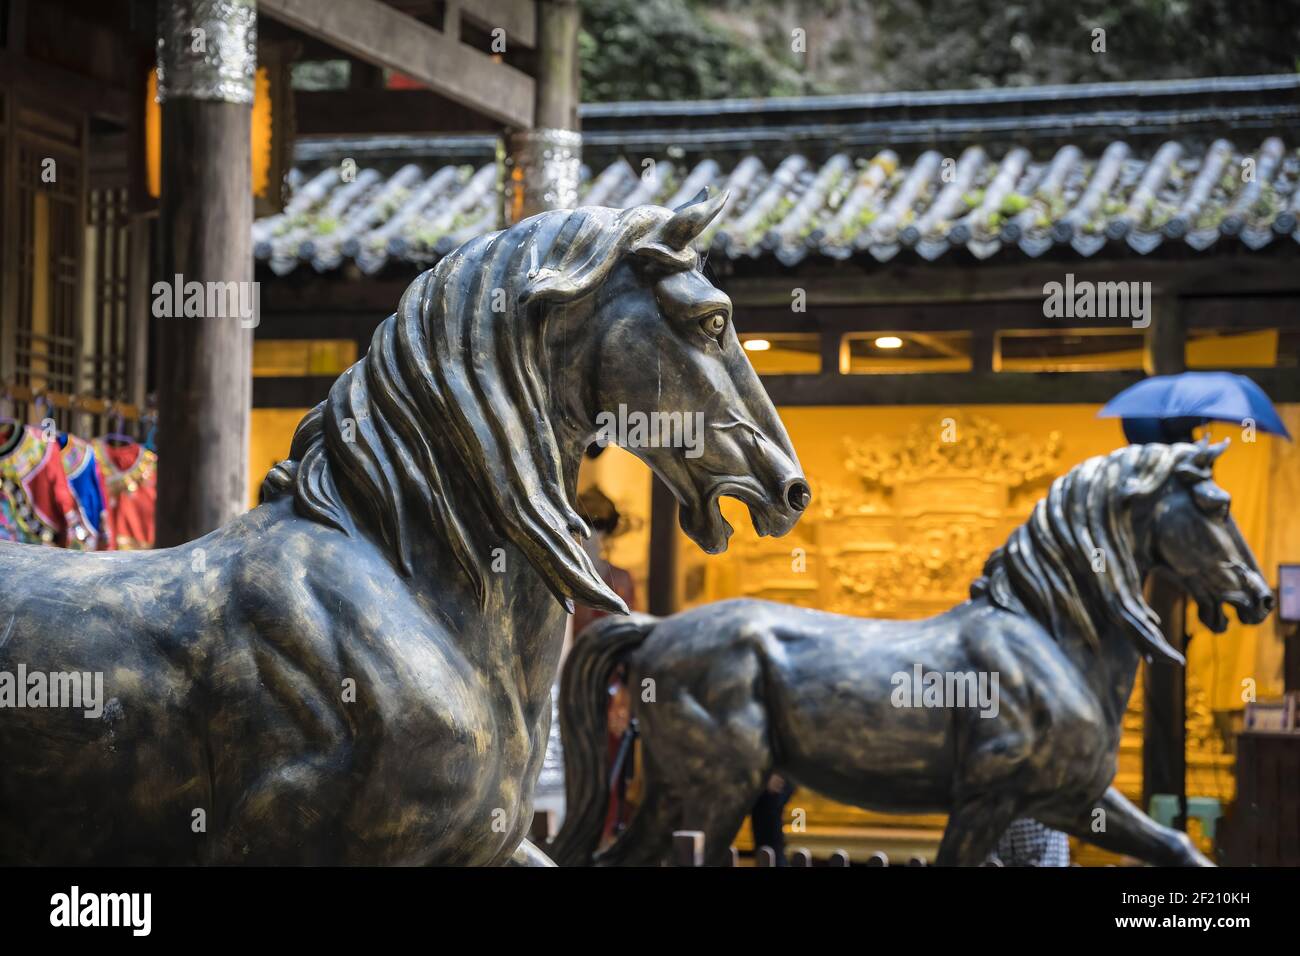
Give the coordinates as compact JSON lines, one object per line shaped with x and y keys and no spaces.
{"x":1044,"y":654}
{"x":359,"y":670}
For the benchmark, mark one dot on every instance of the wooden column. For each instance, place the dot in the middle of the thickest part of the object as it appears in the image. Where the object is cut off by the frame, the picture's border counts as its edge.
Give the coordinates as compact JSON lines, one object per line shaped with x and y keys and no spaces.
{"x":1164,"y":713}
{"x":138,"y":307}
{"x":662,"y":584}
{"x":543,"y":163}
{"x":558,"y":90}
{"x":832,"y":345}
{"x":204,"y":362}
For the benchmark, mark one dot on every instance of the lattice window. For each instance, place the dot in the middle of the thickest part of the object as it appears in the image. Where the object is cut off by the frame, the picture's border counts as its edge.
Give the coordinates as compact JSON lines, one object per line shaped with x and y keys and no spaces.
{"x":107,"y":277}
{"x":46,"y":167}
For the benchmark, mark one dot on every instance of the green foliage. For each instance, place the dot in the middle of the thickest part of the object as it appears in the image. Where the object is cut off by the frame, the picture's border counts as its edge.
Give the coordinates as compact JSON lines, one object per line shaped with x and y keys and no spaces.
{"x":706,"y":49}
{"x":1012,"y":204}
{"x":666,"y":50}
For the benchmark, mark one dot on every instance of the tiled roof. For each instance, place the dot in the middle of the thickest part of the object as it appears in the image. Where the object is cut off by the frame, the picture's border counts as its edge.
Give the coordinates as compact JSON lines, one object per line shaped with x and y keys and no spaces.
{"x":848,"y":206}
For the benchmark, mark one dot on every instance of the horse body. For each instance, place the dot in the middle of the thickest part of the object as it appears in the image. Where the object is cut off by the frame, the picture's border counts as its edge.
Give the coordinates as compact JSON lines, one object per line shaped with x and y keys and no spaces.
{"x":761,"y":687}
{"x":821,"y":723}
{"x":225,"y":678}
{"x":359,"y":670}
{"x":733,"y":691}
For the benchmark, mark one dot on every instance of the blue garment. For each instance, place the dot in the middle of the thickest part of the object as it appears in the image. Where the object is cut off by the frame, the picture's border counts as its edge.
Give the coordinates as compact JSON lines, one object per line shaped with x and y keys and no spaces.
{"x":84,"y":481}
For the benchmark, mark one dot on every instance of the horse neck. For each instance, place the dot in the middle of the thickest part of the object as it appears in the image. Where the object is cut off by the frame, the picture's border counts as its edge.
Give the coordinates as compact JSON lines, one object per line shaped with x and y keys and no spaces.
{"x":515,"y":629}
{"x":1111,"y":669}
{"x":1110,"y":672}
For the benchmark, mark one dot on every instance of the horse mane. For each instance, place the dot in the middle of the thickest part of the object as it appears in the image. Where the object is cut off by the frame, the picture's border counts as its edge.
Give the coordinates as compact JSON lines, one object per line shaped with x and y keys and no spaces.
{"x":1047,"y":565}
{"x":451,"y":400}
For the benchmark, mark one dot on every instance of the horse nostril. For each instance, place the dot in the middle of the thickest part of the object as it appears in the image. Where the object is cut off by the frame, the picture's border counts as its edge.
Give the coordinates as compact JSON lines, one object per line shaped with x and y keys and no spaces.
{"x":1267,"y":602}
{"x":798,"y":494}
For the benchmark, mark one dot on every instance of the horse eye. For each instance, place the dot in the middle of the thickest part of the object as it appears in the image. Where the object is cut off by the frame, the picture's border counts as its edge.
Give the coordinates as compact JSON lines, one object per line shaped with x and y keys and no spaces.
{"x":714,"y":324}
{"x":1212,"y":500}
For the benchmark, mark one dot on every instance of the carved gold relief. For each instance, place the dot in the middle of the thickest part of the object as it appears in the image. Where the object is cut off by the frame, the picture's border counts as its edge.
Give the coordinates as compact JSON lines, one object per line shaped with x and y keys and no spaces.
{"x":908,"y":537}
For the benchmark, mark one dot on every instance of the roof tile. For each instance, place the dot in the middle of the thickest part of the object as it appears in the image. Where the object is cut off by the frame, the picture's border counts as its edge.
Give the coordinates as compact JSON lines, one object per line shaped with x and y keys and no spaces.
{"x":846,"y":207}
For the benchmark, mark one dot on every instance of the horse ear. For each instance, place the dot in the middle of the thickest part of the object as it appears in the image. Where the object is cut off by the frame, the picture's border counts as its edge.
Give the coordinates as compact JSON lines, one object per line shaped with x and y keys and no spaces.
{"x":699,"y":197}
{"x":690,"y":220}
{"x":1207,"y":454}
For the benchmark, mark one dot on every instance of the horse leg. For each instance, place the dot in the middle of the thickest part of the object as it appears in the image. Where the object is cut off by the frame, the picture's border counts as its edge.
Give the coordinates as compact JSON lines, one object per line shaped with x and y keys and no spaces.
{"x":725,"y":801}
{"x":716,"y":805}
{"x":648,"y":837}
{"x":1126,"y":829}
{"x":974,"y":827}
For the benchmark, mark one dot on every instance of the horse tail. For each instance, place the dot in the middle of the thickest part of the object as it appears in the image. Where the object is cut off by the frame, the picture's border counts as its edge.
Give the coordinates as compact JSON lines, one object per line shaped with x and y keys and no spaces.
{"x":584,"y":709}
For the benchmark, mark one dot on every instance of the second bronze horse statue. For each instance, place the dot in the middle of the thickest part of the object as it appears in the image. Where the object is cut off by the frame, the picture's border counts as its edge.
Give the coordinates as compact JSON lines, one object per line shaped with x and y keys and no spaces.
{"x":360,"y":669}
{"x":1042,"y":660}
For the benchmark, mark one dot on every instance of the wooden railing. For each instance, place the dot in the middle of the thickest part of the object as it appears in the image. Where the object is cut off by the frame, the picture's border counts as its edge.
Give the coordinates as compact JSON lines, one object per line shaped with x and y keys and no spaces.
{"x":688,"y":850}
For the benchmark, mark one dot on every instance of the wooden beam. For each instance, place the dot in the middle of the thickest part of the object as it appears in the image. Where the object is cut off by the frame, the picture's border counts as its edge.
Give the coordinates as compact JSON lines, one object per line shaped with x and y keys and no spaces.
{"x":517,"y":17}
{"x":375,"y":32}
{"x":947,"y":388}
{"x":90,"y":404}
{"x":1213,"y":312}
{"x":1000,"y":388}
{"x":1242,"y":312}
{"x":305,"y":291}
{"x":305,"y":391}
{"x":54,"y":84}
{"x":852,"y":283}
{"x":363,"y":111}
{"x":322,"y":325}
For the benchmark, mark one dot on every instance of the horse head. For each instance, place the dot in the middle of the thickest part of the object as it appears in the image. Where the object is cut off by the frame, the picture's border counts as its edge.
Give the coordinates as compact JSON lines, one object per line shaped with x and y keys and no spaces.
{"x":1080,"y":562}
{"x":1197,"y":541}
{"x":662,"y":373}
{"x":499,"y":369}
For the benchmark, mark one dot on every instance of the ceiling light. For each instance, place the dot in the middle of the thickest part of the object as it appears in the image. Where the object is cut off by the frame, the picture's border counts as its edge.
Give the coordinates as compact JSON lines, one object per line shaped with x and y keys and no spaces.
{"x":889,"y":342}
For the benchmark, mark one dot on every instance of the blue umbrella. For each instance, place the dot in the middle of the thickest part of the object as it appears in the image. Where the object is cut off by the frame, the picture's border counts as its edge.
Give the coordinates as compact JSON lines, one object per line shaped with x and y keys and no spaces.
{"x":1166,"y":408}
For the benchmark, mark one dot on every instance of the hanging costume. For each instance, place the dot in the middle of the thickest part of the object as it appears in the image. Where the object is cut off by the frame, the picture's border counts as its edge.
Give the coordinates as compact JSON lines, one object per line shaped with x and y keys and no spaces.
{"x":36,"y":502}
{"x":87,"y":486}
{"x":129,"y":472}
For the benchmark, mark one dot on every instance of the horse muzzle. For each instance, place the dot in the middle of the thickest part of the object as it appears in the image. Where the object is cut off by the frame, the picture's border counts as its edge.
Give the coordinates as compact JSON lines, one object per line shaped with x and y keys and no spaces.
{"x":1257,"y":601}
{"x":1251,"y":596}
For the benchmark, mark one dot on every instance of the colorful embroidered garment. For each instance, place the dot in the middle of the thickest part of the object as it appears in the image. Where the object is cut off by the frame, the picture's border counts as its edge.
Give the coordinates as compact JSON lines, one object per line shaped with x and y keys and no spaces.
{"x":130,"y":478}
{"x":87,"y":486}
{"x":36,"y":503}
